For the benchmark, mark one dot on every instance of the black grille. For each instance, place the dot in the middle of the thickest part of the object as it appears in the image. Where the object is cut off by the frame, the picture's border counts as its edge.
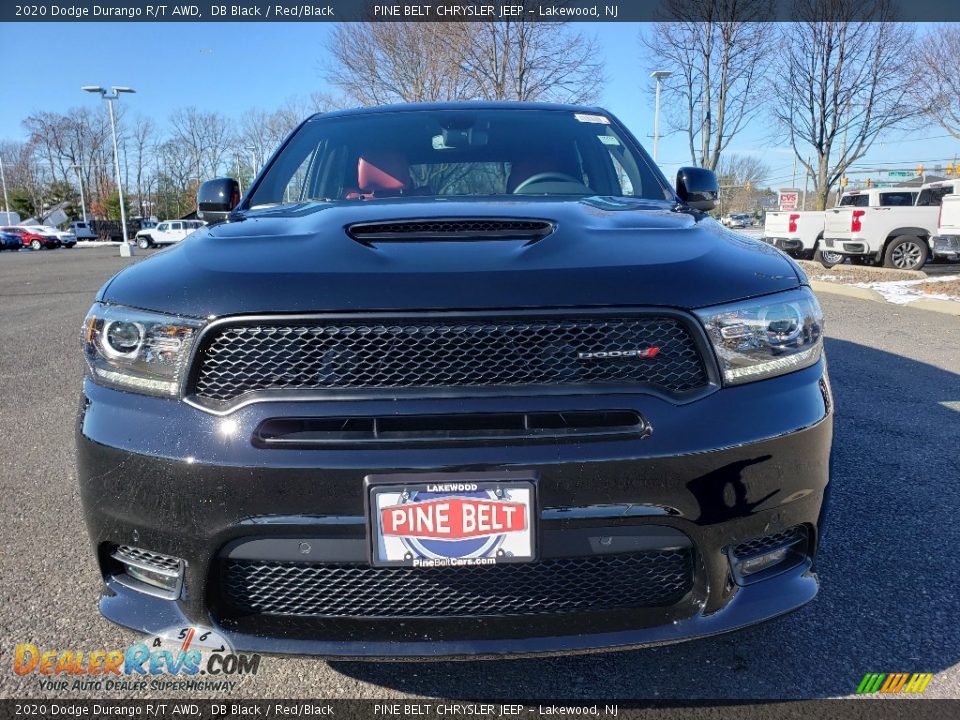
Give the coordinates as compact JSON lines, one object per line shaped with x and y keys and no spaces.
{"x":758,"y":546}
{"x":451,"y":229}
{"x":563,"y":585}
{"x":655,"y":351}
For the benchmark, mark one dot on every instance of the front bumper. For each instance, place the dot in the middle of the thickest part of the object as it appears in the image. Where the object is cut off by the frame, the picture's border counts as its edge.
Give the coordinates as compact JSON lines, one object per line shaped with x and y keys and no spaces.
{"x":740,"y":463}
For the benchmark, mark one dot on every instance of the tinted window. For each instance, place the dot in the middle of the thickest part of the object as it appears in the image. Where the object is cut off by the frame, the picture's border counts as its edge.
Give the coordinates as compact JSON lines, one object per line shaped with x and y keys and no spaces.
{"x":933,"y":196}
{"x":855,"y":201}
{"x":456,"y":153}
{"x":897,"y":199}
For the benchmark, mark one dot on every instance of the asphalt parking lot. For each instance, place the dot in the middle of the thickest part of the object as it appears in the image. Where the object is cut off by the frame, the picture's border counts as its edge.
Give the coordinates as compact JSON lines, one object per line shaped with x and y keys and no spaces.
{"x":889,"y":561}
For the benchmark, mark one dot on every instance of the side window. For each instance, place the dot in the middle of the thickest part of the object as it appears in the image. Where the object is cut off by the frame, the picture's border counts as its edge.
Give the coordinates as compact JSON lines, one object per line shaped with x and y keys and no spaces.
{"x":896,"y":199}
{"x":933,"y":196}
{"x":162,"y":227}
{"x":176,"y":226}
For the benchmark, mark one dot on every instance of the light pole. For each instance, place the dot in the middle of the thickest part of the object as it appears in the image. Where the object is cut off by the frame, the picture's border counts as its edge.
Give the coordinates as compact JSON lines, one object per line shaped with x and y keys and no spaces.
{"x":3,"y":181}
{"x":660,"y":76}
{"x":83,"y":202}
{"x":114,"y":94}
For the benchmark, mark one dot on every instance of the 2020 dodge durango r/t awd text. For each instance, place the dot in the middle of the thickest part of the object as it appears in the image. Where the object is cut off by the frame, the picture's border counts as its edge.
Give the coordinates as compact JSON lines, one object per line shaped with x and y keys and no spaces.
{"x":456,"y":380}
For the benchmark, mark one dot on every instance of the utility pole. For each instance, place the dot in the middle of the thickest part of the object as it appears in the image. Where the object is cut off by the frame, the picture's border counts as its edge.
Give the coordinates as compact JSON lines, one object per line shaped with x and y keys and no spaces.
{"x":83,"y":203}
{"x":806,"y":183}
{"x":3,"y":181}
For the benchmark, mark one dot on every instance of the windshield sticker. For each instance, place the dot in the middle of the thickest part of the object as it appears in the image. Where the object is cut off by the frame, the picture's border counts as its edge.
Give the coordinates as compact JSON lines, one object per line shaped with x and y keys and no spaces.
{"x":608,"y":140}
{"x":584,"y":117}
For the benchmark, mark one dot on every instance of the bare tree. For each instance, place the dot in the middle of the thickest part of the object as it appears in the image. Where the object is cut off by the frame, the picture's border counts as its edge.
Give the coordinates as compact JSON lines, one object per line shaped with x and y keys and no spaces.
{"x":143,"y":142}
{"x":717,"y":51}
{"x":936,"y":86}
{"x":206,"y":136}
{"x":527,"y":60}
{"x":377,"y":63}
{"x":741,"y":178}
{"x":843,"y":82}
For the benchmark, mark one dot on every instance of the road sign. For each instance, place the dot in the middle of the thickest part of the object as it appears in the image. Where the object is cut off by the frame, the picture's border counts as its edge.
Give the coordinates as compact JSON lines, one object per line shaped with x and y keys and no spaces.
{"x":788,"y":199}
{"x":900,"y":173}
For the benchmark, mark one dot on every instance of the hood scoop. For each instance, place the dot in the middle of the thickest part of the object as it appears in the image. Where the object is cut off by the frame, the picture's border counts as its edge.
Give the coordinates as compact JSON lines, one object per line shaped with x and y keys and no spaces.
{"x":450,"y":229}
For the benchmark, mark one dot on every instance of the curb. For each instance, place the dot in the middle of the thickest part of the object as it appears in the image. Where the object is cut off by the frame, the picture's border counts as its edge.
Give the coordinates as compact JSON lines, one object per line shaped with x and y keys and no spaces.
{"x":947,"y":307}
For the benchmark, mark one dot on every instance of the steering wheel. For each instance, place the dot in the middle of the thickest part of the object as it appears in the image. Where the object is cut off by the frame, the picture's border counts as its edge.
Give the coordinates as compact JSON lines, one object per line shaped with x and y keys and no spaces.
{"x":541,"y":177}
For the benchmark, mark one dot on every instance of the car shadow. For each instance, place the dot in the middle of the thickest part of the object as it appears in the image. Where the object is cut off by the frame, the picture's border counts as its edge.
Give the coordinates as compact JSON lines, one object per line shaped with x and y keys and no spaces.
{"x":888,"y":564}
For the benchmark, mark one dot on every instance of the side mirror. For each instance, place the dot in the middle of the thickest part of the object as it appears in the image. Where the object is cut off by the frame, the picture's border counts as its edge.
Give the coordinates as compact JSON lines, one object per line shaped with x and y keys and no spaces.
{"x":217,"y":198}
{"x":698,"y":187}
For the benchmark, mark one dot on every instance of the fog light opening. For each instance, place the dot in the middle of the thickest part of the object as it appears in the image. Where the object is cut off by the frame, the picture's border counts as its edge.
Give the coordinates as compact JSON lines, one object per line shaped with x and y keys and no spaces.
{"x":763,"y":557}
{"x":759,"y":563}
{"x":149,"y":572}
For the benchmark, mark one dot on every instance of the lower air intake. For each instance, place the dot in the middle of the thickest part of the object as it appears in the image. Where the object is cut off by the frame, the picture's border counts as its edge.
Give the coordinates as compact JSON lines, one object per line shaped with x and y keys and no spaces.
{"x":563,"y":585}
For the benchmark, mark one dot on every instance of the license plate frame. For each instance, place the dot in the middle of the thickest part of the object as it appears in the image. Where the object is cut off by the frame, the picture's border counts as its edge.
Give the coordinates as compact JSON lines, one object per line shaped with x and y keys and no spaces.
{"x":519,"y":488}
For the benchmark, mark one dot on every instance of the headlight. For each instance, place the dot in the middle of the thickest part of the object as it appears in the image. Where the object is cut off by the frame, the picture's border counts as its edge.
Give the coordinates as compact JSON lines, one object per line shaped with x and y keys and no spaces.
{"x":757,"y":339}
{"x":137,"y":350}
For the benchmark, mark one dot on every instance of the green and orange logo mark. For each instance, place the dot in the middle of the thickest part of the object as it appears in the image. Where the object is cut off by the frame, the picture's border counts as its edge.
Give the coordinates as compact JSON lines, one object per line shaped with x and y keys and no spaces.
{"x":892,"y":683}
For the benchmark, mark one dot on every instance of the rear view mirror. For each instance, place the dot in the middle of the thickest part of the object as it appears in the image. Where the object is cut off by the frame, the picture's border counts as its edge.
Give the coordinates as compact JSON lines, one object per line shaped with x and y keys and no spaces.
{"x":697,"y":187}
{"x":216,"y":199}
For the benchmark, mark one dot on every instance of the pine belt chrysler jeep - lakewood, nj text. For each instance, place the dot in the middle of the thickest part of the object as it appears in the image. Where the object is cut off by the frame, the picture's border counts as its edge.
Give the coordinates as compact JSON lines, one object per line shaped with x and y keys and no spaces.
{"x":456,"y":380}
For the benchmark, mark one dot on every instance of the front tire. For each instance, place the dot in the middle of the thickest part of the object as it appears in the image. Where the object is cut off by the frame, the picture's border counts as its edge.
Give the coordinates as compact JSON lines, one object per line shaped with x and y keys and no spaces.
{"x":35,"y":245}
{"x":906,"y":253}
{"x":143,"y":243}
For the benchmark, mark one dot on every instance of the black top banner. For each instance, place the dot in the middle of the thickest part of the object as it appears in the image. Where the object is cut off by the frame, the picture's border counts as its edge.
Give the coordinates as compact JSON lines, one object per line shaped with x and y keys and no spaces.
{"x":480,"y":11}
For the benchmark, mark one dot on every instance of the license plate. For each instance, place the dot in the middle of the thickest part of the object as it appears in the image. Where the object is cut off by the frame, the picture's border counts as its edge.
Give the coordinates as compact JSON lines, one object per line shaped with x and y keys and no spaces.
{"x":451,"y":520}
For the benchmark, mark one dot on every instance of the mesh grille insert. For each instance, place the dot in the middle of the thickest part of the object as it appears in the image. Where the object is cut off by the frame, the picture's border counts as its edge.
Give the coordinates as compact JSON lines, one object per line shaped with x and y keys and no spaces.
{"x":564,"y":585}
{"x":337,"y":355}
{"x":758,"y":546}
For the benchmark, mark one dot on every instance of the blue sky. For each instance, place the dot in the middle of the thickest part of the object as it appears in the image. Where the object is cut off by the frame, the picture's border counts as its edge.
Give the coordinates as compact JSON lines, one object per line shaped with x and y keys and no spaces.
{"x":234,"y":66}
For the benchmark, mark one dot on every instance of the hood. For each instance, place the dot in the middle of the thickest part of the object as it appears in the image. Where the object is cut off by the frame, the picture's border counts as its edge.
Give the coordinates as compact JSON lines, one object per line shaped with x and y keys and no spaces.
{"x":603,"y":252}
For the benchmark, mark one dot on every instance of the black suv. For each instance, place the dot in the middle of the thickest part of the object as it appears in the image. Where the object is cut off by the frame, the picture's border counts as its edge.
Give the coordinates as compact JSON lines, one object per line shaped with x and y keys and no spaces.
{"x":456,"y":379}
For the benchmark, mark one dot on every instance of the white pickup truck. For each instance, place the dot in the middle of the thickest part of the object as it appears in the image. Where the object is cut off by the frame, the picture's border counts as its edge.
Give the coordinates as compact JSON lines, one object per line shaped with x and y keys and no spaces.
{"x":894,"y":236}
{"x":799,"y":233}
{"x":946,"y":243}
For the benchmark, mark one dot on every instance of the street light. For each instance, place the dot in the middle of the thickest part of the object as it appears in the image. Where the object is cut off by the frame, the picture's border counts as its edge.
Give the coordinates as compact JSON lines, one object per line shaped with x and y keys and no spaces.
{"x":660,"y":76}
{"x":114,"y":94}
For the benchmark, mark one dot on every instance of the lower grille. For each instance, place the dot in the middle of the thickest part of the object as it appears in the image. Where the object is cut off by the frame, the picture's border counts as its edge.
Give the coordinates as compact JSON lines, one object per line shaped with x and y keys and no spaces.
{"x":758,"y":546}
{"x":562,"y":585}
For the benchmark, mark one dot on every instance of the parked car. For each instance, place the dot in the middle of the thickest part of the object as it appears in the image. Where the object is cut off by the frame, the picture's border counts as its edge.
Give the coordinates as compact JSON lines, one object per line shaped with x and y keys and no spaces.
{"x":946,"y":243}
{"x":736,"y":220}
{"x":474,"y":380}
{"x":82,"y":230}
{"x":10,"y":241}
{"x":167,"y":232}
{"x":32,"y":239}
{"x":898,"y":236}
{"x":800,"y":233}
{"x":67,"y":239}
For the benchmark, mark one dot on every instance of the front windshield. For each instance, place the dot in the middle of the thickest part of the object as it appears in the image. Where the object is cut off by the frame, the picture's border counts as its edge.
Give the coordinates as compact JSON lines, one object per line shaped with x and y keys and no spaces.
{"x":457,"y":153}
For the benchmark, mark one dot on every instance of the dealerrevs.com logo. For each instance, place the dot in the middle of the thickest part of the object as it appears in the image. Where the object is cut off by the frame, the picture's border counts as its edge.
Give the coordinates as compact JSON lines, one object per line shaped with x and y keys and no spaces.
{"x":179,"y":659}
